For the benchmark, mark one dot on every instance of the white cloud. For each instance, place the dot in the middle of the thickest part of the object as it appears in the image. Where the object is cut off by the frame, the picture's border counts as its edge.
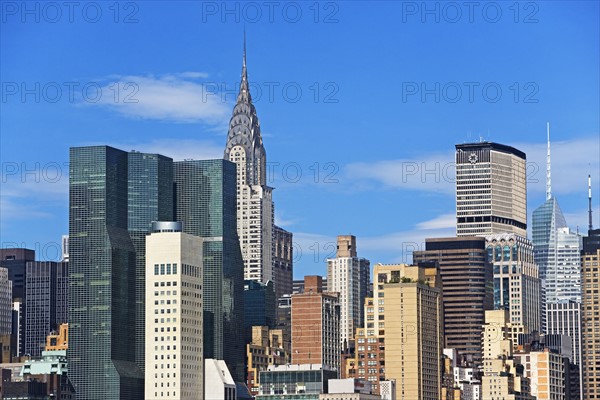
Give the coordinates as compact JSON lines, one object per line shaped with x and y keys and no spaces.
{"x":28,"y":196}
{"x":282,"y":221}
{"x":440,"y":222}
{"x":176,"y":97}
{"x":571,"y":161}
{"x":436,"y":173}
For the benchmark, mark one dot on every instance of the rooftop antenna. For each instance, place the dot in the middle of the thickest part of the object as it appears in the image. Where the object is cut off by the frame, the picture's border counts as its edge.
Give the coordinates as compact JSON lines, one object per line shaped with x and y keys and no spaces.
{"x":590,"y":226}
{"x":548,"y":172}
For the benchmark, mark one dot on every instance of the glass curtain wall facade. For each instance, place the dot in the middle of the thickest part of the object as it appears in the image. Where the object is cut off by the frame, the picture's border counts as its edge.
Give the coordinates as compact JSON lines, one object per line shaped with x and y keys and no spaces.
{"x":46,"y":307}
{"x":149,"y":198}
{"x":206,"y":204}
{"x":101,"y":278}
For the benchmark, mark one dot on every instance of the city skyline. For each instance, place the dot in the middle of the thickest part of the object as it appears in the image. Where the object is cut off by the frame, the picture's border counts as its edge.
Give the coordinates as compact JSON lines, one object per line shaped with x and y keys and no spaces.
{"x":348,"y":173}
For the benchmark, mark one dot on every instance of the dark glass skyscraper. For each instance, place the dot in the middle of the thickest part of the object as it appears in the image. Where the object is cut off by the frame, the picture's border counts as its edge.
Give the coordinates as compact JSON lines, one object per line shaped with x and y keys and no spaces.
{"x":101,"y":278}
{"x":259,"y":306}
{"x":206,"y":204}
{"x":46,"y":305}
{"x":149,"y":198}
{"x":467,"y":290}
{"x":15,"y":260}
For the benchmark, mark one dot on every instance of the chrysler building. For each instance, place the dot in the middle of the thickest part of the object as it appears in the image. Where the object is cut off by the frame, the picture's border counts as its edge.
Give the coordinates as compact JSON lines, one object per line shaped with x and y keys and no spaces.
{"x":255,"y":211}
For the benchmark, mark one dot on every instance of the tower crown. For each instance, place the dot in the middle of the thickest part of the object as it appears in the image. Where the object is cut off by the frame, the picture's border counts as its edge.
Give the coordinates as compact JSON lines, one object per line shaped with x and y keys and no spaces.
{"x":244,"y":142}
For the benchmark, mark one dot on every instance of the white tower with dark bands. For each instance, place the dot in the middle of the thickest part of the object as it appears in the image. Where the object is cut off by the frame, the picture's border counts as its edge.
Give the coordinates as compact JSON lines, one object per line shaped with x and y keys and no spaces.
{"x":255,"y":211}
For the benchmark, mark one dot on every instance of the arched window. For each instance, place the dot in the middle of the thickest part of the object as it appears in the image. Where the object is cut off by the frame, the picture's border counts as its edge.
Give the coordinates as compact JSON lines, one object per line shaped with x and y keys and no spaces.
{"x":506,"y":253}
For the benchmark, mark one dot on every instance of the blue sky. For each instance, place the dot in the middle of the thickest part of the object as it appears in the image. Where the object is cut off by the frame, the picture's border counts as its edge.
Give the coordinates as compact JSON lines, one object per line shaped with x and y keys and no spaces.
{"x":365,"y":100}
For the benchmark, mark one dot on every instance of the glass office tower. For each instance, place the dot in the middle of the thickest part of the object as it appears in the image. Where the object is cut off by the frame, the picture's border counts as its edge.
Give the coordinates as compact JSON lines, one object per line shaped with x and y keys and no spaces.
{"x":101,"y":278}
{"x":149,"y":198}
{"x":206,"y":204}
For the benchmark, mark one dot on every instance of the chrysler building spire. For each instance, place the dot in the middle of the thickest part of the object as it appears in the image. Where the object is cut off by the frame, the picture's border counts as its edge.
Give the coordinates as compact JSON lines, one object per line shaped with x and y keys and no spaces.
{"x":244,"y":135}
{"x":255,"y":216}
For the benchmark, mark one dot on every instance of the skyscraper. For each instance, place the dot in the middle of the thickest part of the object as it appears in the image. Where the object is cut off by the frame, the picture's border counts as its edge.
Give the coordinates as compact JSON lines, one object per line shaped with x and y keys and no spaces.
{"x":6,"y":303}
{"x":259,"y":306}
{"x":590,"y":318}
{"x":349,"y":276}
{"x":206,"y":205}
{"x":403,"y":321}
{"x":491,"y":192}
{"x":173,"y":344}
{"x":283,"y":261}
{"x":316,"y":326}
{"x":467,"y":283}
{"x":255,"y":211}
{"x":15,"y":261}
{"x":102,"y":310}
{"x":516,"y":279}
{"x":557,"y":253}
{"x":502,"y":379}
{"x":47,"y":302}
{"x":414,"y":331}
{"x":149,"y":198}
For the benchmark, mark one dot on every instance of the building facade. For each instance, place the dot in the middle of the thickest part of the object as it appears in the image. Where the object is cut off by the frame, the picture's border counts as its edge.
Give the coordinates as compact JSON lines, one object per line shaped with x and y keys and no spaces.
{"x":255,"y":211}
{"x":266,"y":348}
{"x":173,"y":345}
{"x":15,"y":261}
{"x":516,"y":280}
{"x":400,"y":327}
{"x":6,"y":304}
{"x":467,"y":283}
{"x":149,"y":198}
{"x":283,"y":261}
{"x":259,"y":306}
{"x":47,"y":302}
{"x":349,"y":275}
{"x":491,"y":188}
{"x":413,"y":330}
{"x":101,"y":278}
{"x":590,"y":317}
{"x":218,"y":382}
{"x":316,"y":326}
{"x":501,"y":377}
{"x":295,"y":381}
{"x":205,"y":192}
{"x":546,"y":372}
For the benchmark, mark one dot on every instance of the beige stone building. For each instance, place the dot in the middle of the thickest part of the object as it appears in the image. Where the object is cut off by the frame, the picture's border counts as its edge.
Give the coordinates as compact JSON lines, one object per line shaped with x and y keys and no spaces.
{"x":268,"y":347}
{"x":174,"y":358}
{"x":413,"y":316}
{"x":501,"y":380}
{"x":590,"y":315}
{"x":546,"y":372}
{"x":402,"y":337}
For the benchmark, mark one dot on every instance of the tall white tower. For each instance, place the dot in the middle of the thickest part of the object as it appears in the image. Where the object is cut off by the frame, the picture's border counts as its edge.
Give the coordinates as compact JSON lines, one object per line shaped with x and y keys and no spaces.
{"x":255,"y":211}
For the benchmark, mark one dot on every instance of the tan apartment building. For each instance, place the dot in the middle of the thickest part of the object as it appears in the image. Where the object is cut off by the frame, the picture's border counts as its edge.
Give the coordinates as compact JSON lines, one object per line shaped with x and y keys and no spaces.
{"x":590,"y":315}
{"x":268,"y":347}
{"x":501,"y":380}
{"x":546,"y":372}
{"x":402,"y":338}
